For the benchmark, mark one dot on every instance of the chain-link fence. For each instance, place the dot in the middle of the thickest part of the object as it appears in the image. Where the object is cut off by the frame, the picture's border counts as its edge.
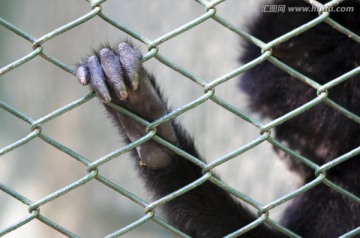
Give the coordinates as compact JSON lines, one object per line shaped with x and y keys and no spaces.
{"x":93,"y":168}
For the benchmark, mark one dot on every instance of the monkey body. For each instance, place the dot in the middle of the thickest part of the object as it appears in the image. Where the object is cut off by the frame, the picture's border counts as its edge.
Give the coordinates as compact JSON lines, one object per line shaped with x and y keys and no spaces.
{"x":320,"y":134}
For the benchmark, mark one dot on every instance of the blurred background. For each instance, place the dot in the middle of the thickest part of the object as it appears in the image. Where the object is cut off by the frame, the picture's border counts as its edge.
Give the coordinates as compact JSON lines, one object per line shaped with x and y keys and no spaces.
{"x":39,"y":87}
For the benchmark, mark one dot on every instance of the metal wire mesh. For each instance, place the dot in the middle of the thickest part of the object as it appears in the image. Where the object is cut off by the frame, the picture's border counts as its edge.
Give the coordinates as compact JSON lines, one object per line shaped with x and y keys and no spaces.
{"x":209,"y":95}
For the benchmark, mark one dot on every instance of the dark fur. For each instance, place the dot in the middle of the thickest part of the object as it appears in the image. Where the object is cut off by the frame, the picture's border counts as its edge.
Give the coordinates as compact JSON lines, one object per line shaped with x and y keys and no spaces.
{"x":320,"y":134}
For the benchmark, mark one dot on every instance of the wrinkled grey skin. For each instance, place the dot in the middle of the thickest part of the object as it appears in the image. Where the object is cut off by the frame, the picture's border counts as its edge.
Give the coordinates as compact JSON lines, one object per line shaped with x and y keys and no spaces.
{"x":114,"y":74}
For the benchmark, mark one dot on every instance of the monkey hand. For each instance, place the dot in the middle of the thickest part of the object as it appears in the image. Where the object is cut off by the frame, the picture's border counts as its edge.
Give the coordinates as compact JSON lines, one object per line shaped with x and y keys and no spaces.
{"x":116,"y":75}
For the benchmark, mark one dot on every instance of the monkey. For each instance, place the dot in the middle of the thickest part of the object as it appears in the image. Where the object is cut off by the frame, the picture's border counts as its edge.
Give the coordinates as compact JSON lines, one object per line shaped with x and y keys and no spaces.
{"x":320,"y":134}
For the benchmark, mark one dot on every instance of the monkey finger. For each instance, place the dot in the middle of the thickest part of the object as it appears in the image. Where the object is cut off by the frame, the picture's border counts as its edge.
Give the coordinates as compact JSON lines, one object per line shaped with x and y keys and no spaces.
{"x":97,"y":79}
{"x":130,"y":60}
{"x":82,"y":75}
{"x":110,"y":64}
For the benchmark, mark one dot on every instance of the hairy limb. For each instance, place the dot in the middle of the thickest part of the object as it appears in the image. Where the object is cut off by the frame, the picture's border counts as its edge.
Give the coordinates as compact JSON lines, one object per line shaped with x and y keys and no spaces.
{"x":206,"y":211}
{"x":115,"y":74}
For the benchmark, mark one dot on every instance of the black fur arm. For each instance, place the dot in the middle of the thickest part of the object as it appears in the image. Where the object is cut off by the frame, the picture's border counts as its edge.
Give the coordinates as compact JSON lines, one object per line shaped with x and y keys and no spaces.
{"x":206,"y":211}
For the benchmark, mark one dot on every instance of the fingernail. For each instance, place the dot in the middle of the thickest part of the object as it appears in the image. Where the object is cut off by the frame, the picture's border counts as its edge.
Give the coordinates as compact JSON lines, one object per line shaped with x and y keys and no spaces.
{"x":81,"y":75}
{"x":107,"y":99}
{"x":122,"y":95}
